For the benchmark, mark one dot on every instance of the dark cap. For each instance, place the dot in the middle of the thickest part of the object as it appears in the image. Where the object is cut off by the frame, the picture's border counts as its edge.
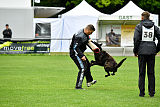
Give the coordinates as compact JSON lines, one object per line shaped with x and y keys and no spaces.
{"x":7,"y":25}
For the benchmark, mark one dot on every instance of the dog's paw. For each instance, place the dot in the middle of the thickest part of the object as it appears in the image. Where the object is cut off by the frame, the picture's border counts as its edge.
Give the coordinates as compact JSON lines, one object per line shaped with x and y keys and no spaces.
{"x":107,"y":75}
{"x":92,"y":63}
{"x":112,"y":74}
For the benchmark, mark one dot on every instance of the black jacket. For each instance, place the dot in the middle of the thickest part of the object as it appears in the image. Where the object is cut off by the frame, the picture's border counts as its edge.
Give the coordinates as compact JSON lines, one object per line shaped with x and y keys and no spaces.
{"x":146,"y":47}
{"x":79,"y":43}
{"x":7,"y":33}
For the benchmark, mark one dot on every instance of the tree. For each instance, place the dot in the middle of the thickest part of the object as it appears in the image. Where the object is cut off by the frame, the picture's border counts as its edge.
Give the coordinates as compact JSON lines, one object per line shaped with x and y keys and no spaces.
{"x":106,"y":3}
{"x":100,"y":5}
{"x":152,"y":6}
{"x":104,"y":6}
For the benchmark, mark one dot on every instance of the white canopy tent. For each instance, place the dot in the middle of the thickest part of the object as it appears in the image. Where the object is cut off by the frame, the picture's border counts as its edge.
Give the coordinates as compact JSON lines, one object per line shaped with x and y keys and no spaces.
{"x":129,"y":13}
{"x":133,"y":10}
{"x":83,"y":9}
{"x":127,"y":17}
{"x":82,"y":15}
{"x":74,"y":20}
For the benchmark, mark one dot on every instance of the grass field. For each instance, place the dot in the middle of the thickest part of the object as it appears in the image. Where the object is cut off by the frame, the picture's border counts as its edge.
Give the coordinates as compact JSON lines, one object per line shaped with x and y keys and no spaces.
{"x":49,"y":81}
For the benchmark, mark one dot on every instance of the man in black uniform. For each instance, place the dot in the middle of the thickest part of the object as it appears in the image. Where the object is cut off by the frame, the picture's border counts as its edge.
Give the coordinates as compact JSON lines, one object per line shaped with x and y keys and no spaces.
{"x":7,"y":33}
{"x":77,"y":48}
{"x":146,"y":49}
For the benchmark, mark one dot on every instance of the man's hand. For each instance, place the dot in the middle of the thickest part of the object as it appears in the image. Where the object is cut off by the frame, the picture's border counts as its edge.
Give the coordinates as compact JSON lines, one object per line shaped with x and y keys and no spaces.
{"x":83,"y":58}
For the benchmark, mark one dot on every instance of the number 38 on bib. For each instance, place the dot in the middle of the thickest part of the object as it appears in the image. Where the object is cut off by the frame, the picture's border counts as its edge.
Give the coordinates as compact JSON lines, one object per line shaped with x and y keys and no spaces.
{"x":147,"y":33}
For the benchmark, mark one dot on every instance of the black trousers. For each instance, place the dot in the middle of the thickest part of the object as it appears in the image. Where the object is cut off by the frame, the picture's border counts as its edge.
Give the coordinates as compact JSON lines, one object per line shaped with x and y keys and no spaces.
{"x":84,"y":70}
{"x":148,"y":60}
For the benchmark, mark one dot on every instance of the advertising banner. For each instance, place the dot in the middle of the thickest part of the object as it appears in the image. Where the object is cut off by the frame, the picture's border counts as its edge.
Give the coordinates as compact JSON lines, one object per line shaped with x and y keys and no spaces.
{"x":24,"y":47}
{"x":113,"y":35}
{"x":127,"y":32}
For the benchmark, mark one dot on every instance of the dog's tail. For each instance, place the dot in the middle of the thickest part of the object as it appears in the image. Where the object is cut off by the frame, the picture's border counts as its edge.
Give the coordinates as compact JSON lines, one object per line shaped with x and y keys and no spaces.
{"x":121,"y":62}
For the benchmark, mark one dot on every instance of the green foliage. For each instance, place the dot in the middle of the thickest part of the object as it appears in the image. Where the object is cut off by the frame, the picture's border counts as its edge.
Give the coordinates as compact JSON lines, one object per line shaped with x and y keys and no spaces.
{"x":74,"y":2}
{"x":152,"y":6}
{"x":106,"y":3}
{"x":103,"y":3}
{"x":99,"y":3}
{"x":49,"y":81}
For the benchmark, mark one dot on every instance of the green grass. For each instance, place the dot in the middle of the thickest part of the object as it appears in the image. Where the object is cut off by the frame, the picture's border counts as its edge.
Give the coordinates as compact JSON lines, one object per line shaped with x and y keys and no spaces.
{"x":49,"y":81}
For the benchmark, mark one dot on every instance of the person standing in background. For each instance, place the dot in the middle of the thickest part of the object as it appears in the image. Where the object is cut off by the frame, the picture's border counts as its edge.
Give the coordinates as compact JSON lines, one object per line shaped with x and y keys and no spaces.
{"x":146,"y":49}
{"x":7,"y":33}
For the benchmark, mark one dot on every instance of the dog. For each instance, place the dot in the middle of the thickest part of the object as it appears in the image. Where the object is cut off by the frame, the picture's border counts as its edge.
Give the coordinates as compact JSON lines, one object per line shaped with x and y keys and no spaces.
{"x":102,"y":58}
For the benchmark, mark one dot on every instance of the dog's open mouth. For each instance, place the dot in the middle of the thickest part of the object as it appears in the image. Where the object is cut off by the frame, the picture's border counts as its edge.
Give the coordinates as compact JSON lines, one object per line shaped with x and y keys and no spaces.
{"x":97,"y":50}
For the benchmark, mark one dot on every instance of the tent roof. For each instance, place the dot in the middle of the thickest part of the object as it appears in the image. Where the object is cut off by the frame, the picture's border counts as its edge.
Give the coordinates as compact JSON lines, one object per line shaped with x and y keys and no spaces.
{"x":129,"y":9}
{"x":83,"y":9}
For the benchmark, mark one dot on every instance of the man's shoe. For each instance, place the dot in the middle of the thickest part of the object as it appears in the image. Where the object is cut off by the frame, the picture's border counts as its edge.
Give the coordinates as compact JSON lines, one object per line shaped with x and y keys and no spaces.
{"x":91,"y":83}
{"x":151,"y":95}
{"x":141,"y":94}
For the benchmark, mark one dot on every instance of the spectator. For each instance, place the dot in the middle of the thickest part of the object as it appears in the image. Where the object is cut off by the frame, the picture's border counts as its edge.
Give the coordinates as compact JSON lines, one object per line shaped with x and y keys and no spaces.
{"x":7,"y":33}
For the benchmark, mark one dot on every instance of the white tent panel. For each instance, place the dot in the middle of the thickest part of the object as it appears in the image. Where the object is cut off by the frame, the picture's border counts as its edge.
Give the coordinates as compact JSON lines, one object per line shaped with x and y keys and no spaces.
{"x":129,"y":9}
{"x":74,"y":23}
{"x":83,"y":9}
{"x":56,"y":37}
{"x":15,"y":3}
{"x":56,"y":32}
{"x":119,"y":17}
{"x":20,"y":21}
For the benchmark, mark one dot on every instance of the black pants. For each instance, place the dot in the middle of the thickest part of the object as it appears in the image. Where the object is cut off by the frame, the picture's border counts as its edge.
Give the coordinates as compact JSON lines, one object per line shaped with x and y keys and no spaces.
{"x":84,"y":70}
{"x":148,"y":60}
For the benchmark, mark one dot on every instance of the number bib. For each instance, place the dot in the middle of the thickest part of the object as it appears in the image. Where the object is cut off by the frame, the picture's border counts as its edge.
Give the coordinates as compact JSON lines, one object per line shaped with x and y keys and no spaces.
{"x":147,"y":34}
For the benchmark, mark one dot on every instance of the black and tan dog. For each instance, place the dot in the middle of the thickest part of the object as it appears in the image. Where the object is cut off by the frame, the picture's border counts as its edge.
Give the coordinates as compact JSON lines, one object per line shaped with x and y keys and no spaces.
{"x":102,"y":58}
